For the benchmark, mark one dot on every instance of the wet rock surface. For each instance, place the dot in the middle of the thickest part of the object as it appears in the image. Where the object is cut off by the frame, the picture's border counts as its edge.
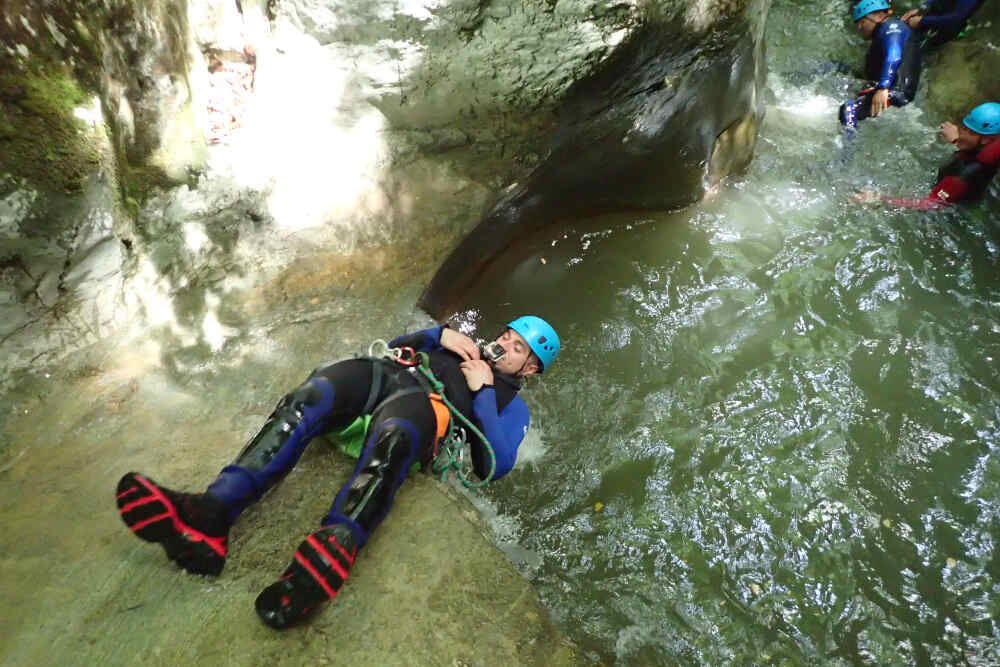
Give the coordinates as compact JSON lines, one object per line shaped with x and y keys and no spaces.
{"x":962,"y":73}
{"x":430,"y":588}
{"x":331,"y":127}
{"x":213,"y":164}
{"x":639,"y":132}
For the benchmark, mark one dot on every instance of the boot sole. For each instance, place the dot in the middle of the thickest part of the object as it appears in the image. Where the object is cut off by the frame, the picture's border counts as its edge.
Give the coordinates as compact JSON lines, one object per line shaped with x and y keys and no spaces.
{"x":316,"y":574}
{"x":150,"y":514}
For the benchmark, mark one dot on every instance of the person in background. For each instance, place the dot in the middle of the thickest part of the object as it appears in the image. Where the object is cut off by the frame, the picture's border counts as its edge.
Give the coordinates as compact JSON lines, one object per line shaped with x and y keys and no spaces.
{"x":968,"y":175}
{"x":941,"y":20}
{"x":892,"y":63}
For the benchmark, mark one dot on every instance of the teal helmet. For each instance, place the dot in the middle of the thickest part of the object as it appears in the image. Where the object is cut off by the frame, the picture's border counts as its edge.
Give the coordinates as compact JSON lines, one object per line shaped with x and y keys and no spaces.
{"x":984,"y":119}
{"x":866,"y":7}
{"x":540,"y":337}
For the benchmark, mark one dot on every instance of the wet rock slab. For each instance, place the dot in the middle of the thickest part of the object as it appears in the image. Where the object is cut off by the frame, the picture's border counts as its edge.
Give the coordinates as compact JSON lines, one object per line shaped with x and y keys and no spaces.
{"x":78,"y":588}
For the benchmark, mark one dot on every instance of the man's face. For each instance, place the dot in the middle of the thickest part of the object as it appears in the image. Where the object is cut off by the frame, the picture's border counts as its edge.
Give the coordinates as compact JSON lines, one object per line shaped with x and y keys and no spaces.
{"x":866,"y":25}
{"x":967,"y":139}
{"x":518,"y":358}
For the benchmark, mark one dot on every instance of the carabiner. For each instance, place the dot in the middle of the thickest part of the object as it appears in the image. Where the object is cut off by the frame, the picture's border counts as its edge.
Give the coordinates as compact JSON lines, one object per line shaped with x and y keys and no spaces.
{"x":405,"y":356}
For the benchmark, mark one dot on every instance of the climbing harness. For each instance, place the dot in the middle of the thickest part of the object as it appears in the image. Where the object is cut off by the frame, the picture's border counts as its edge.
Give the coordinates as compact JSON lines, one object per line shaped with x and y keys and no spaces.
{"x":452,"y":426}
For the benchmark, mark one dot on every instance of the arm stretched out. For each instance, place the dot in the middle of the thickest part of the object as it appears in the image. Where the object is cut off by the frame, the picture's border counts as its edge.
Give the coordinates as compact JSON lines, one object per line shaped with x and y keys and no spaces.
{"x":950,"y":190}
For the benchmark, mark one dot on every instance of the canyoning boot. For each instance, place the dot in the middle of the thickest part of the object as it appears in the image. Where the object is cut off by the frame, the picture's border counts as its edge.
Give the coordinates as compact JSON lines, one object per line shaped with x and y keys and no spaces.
{"x":318,"y":570}
{"x":324,"y":560}
{"x":192,"y":527}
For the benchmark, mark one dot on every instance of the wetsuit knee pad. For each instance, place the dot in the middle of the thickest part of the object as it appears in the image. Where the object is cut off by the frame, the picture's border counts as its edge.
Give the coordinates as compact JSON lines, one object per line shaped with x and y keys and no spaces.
{"x":393,"y":446}
{"x":297,"y":417}
{"x":368,"y":496}
{"x":387,"y":461}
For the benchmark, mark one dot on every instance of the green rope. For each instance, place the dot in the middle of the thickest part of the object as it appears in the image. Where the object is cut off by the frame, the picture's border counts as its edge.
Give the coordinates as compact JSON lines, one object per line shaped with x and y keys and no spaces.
{"x":454,"y":440}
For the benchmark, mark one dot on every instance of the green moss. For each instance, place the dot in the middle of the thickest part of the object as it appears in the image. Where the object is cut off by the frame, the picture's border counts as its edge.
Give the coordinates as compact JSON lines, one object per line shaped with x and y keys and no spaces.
{"x":6,"y":125}
{"x":962,"y":74}
{"x":138,"y":182}
{"x":41,"y":140}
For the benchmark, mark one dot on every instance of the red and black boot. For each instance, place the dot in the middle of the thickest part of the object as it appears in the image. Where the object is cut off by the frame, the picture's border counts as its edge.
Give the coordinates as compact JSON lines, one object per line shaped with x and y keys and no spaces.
{"x":324,"y":560}
{"x":320,"y":567}
{"x":192,"y":527}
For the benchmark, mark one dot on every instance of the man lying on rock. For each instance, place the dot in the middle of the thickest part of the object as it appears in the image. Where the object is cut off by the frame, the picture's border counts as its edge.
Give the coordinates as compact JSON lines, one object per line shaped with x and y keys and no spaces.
{"x":892,"y":63}
{"x":408,"y":420}
{"x":967,"y":176}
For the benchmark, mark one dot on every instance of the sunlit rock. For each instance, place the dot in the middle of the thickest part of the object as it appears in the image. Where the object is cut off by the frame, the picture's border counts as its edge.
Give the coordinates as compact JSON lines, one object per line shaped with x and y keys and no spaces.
{"x":233,"y":140}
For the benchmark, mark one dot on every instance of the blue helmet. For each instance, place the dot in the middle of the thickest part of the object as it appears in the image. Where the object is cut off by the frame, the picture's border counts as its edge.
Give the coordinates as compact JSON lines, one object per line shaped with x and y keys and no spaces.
{"x":540,"y":337}
{"x":866,"y":7}
{"x":984,"y":119}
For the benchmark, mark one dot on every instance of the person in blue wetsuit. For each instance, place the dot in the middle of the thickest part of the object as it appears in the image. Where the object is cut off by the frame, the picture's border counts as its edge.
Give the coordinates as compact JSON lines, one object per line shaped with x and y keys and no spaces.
{"x":893,"y":63}
{"x":407,"y":422}
{"x":941,"y":20}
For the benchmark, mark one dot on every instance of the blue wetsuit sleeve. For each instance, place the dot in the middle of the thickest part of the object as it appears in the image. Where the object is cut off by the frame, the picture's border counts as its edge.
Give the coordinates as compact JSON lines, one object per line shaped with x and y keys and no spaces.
{"x":892,"y":37}
{"x":960,"y":12}
{"x":425,"y":340}
{"x":505,"y":431}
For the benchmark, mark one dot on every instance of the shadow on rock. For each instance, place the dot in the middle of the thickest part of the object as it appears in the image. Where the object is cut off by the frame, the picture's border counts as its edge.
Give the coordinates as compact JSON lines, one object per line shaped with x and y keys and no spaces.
{"x":640,"y":133}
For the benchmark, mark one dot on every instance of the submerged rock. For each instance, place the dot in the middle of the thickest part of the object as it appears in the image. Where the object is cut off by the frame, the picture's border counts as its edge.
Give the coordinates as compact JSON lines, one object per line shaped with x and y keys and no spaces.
{"x":641,"y":131}
{"x":119,"y":601}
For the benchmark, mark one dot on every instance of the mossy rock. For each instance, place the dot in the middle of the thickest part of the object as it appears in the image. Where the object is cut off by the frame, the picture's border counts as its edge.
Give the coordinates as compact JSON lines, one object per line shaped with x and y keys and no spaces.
{"x":962,"y":74}
{"x":41,"y":140}
{"x":139,"y":182}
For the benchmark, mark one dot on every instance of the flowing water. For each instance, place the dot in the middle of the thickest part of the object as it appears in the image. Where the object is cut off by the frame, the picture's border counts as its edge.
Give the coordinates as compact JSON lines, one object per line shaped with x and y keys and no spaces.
{"x":771,"y":437}
{"x":773,"y":434}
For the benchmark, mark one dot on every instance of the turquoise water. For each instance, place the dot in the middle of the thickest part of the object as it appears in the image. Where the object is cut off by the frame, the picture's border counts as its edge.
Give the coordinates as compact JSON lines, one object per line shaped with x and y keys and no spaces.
{"x":772,"y":437}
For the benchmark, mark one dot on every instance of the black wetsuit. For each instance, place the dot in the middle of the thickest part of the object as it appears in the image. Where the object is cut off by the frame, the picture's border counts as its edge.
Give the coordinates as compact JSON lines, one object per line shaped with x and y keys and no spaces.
{"x":944,"y":20}
{"x":404,"y":427}
{"x":402,"y":430}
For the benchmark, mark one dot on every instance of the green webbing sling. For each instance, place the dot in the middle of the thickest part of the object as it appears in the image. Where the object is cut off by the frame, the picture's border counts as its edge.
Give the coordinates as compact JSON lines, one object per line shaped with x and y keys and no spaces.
{"x":351,"y":440}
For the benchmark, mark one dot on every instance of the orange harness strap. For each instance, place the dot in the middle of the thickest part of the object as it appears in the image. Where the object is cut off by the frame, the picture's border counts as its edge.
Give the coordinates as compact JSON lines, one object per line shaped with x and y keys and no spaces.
{"x":442,"y":416}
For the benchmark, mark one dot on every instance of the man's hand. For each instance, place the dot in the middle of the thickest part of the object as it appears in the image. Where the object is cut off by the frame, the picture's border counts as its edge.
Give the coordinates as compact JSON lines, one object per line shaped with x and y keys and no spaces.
{"x":460,"y":344}
{"x":880,"y":101}
{"x":867,"y":197}
{"x":948,"y":132}
{"x":477,"y":373}
{"x":912,"y":19}
{"x":908,"y":14}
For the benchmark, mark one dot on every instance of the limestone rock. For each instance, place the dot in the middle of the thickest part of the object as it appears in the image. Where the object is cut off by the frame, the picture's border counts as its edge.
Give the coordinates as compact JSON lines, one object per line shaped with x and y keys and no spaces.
{"x":233,"y":139}
{"x":639,"y":131}
{"x":962,"y":73}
